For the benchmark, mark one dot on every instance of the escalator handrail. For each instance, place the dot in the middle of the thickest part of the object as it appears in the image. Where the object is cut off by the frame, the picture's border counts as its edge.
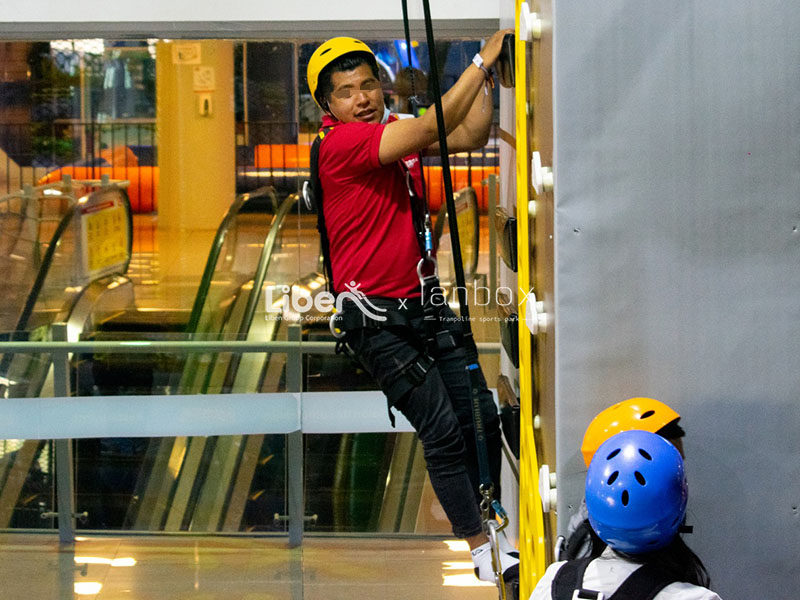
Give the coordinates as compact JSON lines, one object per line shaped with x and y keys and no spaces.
{"x":41,"y":275}
{"x":265,"y":260}
{"x":258,"y":281}
{"x":216,"y":249}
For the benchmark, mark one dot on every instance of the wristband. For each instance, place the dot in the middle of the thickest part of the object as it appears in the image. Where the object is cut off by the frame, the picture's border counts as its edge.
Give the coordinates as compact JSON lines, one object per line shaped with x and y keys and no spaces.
{"x":477,"y":60}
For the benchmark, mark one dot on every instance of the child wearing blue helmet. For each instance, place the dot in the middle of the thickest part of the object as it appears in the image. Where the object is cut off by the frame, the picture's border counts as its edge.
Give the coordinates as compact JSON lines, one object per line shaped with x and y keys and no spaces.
{"x":636,"y":495}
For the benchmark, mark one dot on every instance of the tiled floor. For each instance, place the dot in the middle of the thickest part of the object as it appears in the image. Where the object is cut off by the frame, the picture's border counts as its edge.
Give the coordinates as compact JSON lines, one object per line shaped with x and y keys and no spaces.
{"x":36,"y":567}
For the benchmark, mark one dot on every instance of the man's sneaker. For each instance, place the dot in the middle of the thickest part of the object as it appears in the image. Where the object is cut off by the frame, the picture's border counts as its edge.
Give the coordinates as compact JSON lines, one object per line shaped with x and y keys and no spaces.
{"x":482,"y":558}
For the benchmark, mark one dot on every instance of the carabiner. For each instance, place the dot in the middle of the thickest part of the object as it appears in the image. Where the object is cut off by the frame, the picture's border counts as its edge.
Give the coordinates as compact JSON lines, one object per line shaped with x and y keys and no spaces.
{"x":421,"y":265}
{"x":308,"y":197}
{"x":337,"y":333}
{"x":497,"y":566}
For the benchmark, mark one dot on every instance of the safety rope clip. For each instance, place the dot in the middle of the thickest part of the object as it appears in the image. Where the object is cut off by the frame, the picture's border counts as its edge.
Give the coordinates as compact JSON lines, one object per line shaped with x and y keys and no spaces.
{"x":337,"y":333}
{"x":307,"y":197}
{"x":421,"y":266}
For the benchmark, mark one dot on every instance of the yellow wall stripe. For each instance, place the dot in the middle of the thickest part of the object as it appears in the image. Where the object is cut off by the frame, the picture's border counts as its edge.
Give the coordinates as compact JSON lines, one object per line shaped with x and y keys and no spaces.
{"x":531,"y":520}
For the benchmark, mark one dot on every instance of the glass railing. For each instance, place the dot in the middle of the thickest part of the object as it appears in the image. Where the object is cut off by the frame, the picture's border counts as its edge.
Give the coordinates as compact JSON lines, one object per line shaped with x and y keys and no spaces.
{"x":110,"y":426}
{"x":221,"y":468}
{"x":249,"y":422}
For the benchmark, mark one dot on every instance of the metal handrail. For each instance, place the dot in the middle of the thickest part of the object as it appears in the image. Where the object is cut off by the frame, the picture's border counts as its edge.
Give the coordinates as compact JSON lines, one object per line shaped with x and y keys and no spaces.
{"x":259,"y":276}
{"x":265,"y":260}
{"x":216,"y":248}
{"x":180,"y":346}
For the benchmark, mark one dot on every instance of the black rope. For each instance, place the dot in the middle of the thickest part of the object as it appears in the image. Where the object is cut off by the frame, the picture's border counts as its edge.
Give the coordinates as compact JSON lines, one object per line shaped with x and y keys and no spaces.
{"x":469,"y":341}
{"x":448,"y":183}
{"x":413,"y":102}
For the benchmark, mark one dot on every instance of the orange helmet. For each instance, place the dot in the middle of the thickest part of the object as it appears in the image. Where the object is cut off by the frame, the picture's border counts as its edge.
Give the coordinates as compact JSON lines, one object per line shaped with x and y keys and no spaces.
{"x":634,"y":413}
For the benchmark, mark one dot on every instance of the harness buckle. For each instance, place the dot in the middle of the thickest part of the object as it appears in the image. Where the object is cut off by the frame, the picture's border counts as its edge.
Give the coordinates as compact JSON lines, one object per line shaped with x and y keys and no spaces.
{"x":582,"y":594}
{"x":417,"y":370}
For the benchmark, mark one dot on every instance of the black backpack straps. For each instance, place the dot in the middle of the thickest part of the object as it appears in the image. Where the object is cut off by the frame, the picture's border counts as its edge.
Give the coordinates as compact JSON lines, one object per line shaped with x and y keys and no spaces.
{"x":569,"y":579}
{"x":643,"y":584}
{"x":316,"y":189}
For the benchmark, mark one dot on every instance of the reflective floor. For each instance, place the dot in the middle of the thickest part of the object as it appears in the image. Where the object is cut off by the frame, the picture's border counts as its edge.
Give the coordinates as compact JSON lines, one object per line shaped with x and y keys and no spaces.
{"x":36,"y":567}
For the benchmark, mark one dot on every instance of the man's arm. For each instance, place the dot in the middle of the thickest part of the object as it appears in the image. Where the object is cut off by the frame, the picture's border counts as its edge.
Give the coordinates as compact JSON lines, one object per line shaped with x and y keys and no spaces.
{"x":406,"y":136}
{"x":473,"y":132}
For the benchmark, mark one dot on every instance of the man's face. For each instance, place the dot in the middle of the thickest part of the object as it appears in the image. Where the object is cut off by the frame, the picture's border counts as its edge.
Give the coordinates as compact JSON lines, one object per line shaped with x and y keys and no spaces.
{"x":356,"y":96}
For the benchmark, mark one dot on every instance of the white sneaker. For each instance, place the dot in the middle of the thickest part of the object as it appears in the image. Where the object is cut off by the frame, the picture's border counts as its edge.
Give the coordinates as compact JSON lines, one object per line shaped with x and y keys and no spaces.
{"x":482,"y":558}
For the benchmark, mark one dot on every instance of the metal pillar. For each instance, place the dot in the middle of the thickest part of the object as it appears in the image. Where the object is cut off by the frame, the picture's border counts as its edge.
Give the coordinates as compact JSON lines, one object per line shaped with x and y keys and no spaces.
{"x":294,"y":444}
{"x":65,"y":470}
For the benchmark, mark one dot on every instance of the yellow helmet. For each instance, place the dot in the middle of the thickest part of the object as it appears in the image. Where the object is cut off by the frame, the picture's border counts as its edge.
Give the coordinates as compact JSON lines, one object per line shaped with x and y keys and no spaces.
{"x":326,"y":54}
{"x":634,"y":413}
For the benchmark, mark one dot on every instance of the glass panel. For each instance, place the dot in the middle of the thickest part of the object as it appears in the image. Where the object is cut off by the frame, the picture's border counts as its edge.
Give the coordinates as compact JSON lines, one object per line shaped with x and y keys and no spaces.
{"x":85,"y":109}
{"x":201,"y":484}
{"x":27,"y":488}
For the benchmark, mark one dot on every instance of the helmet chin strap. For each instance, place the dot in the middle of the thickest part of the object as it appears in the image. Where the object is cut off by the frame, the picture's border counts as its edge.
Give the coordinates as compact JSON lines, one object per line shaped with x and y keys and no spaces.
{"x":327,"y":109}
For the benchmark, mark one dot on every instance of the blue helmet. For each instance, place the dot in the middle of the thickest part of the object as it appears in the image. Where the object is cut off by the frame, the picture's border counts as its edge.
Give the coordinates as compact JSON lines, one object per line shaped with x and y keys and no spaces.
{"x":636,"y":492}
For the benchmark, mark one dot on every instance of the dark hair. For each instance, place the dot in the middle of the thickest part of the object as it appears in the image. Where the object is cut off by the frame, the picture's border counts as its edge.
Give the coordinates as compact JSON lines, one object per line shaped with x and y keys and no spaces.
{"x":676,"y":560}
{"x":346,"y":62}
{"x":672,"y":431}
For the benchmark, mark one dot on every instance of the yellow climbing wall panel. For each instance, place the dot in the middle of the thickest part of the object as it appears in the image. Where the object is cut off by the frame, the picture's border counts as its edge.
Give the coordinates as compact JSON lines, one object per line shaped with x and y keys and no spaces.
{"x":534,"y":199}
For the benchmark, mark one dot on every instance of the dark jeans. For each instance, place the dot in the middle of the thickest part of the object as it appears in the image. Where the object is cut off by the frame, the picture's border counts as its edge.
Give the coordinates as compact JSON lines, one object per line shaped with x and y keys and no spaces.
{"x":440,"y":410}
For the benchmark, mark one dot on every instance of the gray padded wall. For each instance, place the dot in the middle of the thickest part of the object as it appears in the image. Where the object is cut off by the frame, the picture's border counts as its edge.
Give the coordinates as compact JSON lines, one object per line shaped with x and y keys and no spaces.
{"x":677,"y":136}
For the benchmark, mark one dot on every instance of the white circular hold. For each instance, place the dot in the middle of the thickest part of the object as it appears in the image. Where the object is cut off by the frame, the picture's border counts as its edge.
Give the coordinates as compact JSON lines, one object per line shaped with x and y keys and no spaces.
{"x":531,"y":314}
{"x":535,"y":318}
{"x":547,"y":179}
{"x":546,"y":493}
{"x":530,"y":25}
{"x":541,"y":322}
{"x":536,"y":172}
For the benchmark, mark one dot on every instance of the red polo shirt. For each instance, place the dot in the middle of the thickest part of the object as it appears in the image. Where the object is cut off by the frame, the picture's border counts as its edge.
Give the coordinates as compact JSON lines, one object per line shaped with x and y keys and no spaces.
{"x":368,"y":213}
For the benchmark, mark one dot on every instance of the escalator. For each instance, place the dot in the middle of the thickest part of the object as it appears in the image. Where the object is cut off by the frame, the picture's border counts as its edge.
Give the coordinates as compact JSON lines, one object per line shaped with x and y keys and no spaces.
{"x":209,"y":490}
{"x":355,"y":482}
{"x":43,"y":230}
